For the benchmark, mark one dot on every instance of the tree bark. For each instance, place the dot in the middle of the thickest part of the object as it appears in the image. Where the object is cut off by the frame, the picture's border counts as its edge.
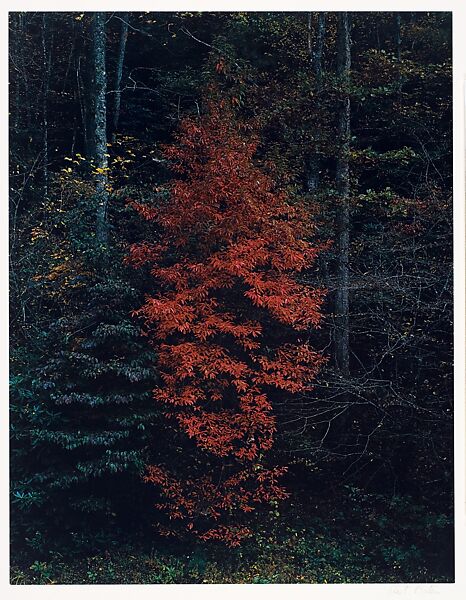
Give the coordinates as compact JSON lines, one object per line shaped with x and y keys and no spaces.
{"x":83,"y":107}
{"x":309,"y":34}
{"x":23,"y":27}
{"x":397,"y":20}
{"x":47,"y":58}
{"x":343,"y":190}
{"x":15,"y":82}
{"x":119,"y":72}
{"x":319,"y":48}
{"x":100,"y":124}
{"x":316,"y":52}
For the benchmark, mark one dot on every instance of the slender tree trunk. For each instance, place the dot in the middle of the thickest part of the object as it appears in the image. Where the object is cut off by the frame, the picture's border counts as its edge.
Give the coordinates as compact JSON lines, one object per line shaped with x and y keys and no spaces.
{"x":397,"y":19}
{"x":23,"y":25}
{"x":309,"y":34}
{"x":316,"y":52}
{"x":83,"y":107}
{"x":100,"y":123}
{"x":15,"y":50}
{"x":84,"y":63}
{"x":47,"y":58}
{"x":343,"y":190}
{"x":319,"y":49}
{"x":119,"y":71}
{"x":86,"y":72}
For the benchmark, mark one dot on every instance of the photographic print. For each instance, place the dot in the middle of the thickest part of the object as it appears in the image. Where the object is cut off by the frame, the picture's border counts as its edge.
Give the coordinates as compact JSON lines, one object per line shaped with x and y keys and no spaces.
{"x":231,"y":297}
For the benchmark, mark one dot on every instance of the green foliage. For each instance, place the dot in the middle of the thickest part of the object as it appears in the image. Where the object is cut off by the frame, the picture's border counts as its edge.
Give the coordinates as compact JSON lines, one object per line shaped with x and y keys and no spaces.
{"x":386,"y":540}
{"x":82,"y":409}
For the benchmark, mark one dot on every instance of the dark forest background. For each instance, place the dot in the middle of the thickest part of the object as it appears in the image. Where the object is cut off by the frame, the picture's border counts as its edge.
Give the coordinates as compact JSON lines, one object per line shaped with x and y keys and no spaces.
{"x":354,"y":117}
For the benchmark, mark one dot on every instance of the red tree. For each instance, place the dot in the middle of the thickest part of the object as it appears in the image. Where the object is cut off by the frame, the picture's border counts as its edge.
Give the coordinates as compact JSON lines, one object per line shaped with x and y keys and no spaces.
{"x":230,"y":322}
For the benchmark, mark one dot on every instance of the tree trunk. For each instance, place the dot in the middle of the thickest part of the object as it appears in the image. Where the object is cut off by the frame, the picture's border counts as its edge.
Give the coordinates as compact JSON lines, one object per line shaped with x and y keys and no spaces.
{"x":309,"y":34}
{"x":397,"y":20}
{"x":316,"y":52}
{"x":15,"y":80}
{"x":343,"y":190}
{"x":83,"y":106}
{"x":23,"y":26}
{"x":100,"y":124}
{"x":319,"y":49}
{"x":46,"y":58}
{"x":119,"y":71}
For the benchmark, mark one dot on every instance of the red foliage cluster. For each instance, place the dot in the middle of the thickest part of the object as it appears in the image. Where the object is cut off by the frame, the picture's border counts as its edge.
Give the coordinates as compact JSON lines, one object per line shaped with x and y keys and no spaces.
{"x":203,"y":500}
{"x":229,"y":298}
